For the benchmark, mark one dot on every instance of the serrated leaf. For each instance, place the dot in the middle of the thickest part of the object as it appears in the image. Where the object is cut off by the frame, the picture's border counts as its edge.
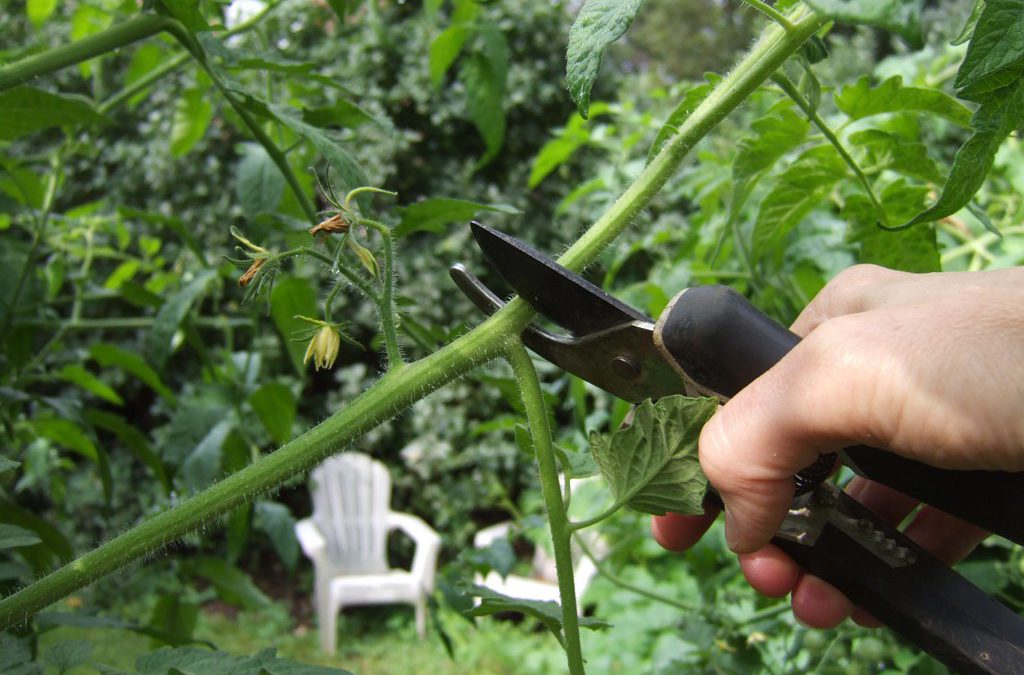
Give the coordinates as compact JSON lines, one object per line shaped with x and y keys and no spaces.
{"x":79,"y":376}
{"x":193,"y":113}
{"x":277,"y":522}
{"x":774,"y":135}
{"x":68,"y":654}
{"x":910,"y":250}
{"x":795,"y":194}
{"x":997,"y":45}
{"x":39,"y":11}
{"x":599,"y":23}
{"x":902,"y":17}
{"x":444,"y":49}
{"x":1000,"y":113}
{"x":232,"y":584}
{"x":691,"y":99}
{"x":890,"y":152}
{"x":652,"y":465}
{"x":194,"y":661}
{"x":547,"y":612}
{"x":12,"y":536}
{"x":259,"y":184}
{"x":861,"y":100}
{"x":170,"y":316}
{"x":434,"y":215}
{"x":25,"y":110}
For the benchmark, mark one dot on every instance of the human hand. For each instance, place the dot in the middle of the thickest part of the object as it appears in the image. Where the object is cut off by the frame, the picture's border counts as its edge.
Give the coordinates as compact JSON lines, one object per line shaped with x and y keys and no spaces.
{"x":926,"y":366}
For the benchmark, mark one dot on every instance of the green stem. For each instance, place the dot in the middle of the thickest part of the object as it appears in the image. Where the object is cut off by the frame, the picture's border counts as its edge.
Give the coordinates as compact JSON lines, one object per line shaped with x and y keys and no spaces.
{"x":561,"y":533}
{"x":772,"y":13}
{"x":353,"y":277}
{"x":388,"y":319}
{"x":400,"y":389}
{"x":124,"y":33}
{"x":770,"y":51}
{"x":791,"y":90}
{"x":143,"y":83}
{"x":602,"y":569}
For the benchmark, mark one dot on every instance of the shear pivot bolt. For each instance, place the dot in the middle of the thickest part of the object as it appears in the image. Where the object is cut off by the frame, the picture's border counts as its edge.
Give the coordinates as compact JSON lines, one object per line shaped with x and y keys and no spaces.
{"x":626,"y":367}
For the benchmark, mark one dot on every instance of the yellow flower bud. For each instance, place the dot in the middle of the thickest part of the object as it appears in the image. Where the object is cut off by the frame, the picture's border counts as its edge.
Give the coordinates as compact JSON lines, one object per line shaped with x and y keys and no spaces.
{"x":323,"y":347}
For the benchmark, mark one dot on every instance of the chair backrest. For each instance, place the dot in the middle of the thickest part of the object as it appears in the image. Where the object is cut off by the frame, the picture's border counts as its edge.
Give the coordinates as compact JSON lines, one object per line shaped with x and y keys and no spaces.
{"x":351,"y":501}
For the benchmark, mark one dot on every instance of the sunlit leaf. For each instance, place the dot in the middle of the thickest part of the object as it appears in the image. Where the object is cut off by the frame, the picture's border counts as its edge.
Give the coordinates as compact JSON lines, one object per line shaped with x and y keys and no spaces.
{"x":682,"y":111}
{"x":652,"y":465}
{"x":890,"y":152}
{"x":862,"y":100}
{"x":39,"y":10}
{"x":910,"y":250}
{"x":599,"y":23}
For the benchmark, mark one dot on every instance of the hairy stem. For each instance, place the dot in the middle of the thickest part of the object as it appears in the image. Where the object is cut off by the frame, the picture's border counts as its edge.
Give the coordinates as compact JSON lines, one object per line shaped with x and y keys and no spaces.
{"x":388,"y":319}
{"x":772,"y":13}
{"x":125,"y":33}
{"x":400,"y":389}
{"x":561,"y":533}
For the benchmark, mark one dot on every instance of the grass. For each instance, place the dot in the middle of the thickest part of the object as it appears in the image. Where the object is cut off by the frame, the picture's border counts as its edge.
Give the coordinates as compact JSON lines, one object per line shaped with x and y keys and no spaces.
{"x":371,"y":641}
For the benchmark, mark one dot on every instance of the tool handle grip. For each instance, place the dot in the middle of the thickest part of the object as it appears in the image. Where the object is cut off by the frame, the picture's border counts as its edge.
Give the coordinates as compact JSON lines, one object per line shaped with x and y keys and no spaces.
{"x":721,"y":342}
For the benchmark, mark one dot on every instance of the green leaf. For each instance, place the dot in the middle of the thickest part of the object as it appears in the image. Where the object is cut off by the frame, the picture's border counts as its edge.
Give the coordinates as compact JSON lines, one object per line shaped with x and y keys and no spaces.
{"x":132,"y":438}
{"x":972,"y":21}
{"x":25,"y":110}
{"x":652,"y":465}
{"x":259,"y":184}
{"x":8,"y":464}
{"x":275,"y":405}
{"x":54,"y":543}
{"x":12,"y":536}
{"x":39,"y":11}
{"x":232,"y":584}
{"x":433,"y":215}
{"x":78,"y":375}
{"x":559,"y":149}
{"x":193,"y":113}
{"x":890,"y":152}
{"x":341,"y":113}
{"x":170,"y":316}
{"x":902,"y":17}
{"x":997,"y":46}
{"x":68,"y":654}
{"x":444,"y":49}
{"x":185,"y":11}
{"x":194,"y":661}
{"x":861,"y":100}
{"x":795,"y":193}
{"x":112,"y":355}
{"x":774,"y":135}
{"x":70,"y":436}
{"x":484,"y":73}
{"x":547,"y":612}
{"x":910,"y":250}
{"x":173,"y":620}
{"x":599,"y":23}
{"x":203,"y":465}
{"x":1000,"y":113}
{"x":277,"y":522}
{"x":693,"y":97}
{"x":293,"y":296}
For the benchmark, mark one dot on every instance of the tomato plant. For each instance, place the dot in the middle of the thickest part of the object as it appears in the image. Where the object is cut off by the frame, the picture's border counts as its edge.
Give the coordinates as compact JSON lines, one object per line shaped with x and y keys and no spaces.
{"x":833,"y":168}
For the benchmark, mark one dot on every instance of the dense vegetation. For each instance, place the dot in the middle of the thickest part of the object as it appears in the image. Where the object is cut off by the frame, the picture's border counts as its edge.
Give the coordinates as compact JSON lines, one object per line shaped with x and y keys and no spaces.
{"x":161,"y":168}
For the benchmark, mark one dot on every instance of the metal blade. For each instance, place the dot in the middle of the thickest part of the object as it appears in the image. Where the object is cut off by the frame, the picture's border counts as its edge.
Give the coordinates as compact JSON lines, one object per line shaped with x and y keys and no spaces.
{"x":557,"y":293}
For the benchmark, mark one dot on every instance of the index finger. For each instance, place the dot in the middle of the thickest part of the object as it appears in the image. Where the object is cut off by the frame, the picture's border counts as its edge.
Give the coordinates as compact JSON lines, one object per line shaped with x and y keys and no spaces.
{"x":678,"y":533}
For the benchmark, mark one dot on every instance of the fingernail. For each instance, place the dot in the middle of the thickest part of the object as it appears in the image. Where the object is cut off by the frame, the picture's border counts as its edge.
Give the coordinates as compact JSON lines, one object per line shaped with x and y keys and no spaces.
{"x":731,"y":530}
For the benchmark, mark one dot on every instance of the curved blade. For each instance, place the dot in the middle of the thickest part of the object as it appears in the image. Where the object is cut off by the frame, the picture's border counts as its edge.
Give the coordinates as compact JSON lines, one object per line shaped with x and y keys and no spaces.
{"x":559,"y":294}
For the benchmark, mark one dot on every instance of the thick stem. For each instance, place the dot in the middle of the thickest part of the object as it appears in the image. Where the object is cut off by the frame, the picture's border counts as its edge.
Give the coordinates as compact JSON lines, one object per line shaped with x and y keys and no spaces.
{"x":561,"y":533}
{"x":134,"y":29}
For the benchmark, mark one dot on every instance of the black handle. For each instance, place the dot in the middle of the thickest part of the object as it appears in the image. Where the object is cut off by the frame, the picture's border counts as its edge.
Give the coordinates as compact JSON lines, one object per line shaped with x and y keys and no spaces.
{"x":722,"y":343}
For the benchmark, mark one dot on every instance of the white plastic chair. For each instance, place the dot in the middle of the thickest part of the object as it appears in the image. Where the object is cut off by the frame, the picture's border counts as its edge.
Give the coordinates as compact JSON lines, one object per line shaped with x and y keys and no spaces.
{"x":542,"y":584}
{"x":346,"y":538}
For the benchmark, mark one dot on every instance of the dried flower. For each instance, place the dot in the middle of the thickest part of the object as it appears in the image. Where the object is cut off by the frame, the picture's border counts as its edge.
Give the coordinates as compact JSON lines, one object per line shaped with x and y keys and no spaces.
{"x":257,"y":263}
{"x":336,"y":223}
{"x":323,"y":347}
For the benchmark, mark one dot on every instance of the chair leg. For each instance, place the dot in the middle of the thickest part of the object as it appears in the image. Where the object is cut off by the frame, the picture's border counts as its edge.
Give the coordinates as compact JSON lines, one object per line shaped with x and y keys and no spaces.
{"x":327,"y":617}
{"x":421,"y":617}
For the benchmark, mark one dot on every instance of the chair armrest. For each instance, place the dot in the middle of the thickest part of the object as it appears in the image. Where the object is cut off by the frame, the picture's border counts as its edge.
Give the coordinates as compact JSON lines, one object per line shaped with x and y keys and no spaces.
{"x":313,"y":543}
{"x":489,"y":535}
{"x":428,"y":545}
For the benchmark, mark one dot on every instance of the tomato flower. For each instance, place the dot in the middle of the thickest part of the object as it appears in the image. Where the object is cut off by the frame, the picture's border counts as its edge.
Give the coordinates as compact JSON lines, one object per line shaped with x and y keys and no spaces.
{"x":323,"y":347}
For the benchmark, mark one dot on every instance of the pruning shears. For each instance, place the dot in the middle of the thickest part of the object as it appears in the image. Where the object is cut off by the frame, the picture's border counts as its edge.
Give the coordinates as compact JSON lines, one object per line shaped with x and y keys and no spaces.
{"x":711,"y":341}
